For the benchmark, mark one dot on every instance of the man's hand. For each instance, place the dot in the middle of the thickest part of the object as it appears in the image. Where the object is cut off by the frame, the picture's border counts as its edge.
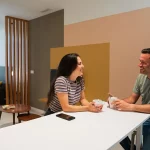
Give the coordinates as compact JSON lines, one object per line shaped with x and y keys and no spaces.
{"x":122,"y":105}
{"x":109,"y":95}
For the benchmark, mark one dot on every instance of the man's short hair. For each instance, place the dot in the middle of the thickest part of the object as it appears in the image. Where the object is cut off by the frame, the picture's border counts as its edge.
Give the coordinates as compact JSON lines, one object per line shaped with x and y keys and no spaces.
{"x":146,"y":51}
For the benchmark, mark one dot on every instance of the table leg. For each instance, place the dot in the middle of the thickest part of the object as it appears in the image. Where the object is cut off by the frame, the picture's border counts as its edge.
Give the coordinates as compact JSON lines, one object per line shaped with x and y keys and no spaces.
{"x":0,"y":114}
{"x":139,"y":138}
{"x":13,"y":118}
{"x":18,"y":119}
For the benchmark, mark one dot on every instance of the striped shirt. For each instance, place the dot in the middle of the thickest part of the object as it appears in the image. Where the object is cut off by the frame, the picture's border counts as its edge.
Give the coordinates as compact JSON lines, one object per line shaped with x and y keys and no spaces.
{"x":64,"y":85}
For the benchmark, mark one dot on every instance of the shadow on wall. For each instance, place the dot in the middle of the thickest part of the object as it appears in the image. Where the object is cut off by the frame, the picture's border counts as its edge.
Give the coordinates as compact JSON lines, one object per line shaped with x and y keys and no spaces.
{"x":2,"y":74}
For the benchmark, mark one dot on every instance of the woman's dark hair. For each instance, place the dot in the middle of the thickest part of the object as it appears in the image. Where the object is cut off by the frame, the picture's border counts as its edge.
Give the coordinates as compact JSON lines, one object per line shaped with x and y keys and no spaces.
{"x":66,"y":66}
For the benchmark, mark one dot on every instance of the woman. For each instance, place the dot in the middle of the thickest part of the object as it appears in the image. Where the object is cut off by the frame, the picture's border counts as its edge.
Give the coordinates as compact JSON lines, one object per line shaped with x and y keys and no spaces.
{"x":67,"y":88}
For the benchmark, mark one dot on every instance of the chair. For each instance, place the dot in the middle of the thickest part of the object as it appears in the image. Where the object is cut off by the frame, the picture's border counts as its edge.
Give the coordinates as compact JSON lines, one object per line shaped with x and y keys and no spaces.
{"x":27,"y":116}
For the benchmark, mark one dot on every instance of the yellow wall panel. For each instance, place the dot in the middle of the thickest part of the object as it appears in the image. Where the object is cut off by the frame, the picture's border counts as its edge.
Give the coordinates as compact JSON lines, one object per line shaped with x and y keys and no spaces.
{"x":95,"y":58}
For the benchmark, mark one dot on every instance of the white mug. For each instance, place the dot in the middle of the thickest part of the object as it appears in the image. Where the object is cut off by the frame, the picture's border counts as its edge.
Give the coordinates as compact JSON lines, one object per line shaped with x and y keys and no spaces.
{"x":111,"y":99}
{"x":98,"y":102}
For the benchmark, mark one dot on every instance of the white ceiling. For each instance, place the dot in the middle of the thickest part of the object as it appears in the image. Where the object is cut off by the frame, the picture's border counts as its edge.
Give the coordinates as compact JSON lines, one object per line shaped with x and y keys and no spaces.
{"x":74,"y":10}
{"x":26,"y":9}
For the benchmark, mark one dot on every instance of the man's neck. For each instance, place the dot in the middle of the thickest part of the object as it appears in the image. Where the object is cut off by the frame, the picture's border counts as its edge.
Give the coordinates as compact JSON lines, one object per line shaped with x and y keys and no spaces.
{"x":148,"y":76}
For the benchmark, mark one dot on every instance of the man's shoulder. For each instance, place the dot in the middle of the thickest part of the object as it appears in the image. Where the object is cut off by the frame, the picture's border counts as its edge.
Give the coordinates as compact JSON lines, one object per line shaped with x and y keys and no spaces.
{"x":142,"y":76}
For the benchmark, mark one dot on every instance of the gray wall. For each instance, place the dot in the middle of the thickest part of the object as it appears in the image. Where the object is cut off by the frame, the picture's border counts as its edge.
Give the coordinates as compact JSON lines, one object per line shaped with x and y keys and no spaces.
{"x":2,"y":73}
{"x":44,"y":33}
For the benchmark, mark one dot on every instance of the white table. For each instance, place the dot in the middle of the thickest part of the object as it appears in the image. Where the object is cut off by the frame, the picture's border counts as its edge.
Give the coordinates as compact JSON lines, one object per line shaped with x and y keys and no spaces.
{"x":89,"y":131}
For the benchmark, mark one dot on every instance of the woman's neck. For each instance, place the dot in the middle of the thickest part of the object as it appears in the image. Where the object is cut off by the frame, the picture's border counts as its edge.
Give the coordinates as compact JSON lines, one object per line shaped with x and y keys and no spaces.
{"x":72,"y":78}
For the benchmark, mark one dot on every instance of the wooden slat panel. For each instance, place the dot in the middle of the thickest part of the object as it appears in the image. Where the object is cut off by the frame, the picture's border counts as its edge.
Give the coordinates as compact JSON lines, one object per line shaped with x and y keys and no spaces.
{"x":17,"y":57}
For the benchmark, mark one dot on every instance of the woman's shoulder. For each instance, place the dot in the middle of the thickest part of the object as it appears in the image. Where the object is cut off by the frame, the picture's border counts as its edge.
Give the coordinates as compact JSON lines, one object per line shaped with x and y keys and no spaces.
{"x":61,"y":79}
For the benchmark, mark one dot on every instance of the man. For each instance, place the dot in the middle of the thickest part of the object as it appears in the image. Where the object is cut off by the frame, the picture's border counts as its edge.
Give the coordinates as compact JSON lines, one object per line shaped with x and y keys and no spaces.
{"x":141,"y":88}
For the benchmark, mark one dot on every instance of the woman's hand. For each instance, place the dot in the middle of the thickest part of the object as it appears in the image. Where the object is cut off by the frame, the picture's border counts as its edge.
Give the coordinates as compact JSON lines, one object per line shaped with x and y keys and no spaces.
{"x":93,"y":108}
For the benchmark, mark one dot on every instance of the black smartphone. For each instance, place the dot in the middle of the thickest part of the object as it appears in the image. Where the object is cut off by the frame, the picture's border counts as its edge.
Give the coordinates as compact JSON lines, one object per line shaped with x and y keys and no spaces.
{"x":65,"y":116}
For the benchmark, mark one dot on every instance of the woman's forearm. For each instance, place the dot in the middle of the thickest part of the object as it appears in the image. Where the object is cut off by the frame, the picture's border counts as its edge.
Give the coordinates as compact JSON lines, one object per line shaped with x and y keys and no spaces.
{"x":84,"y":102}
{"x":74,"y":108}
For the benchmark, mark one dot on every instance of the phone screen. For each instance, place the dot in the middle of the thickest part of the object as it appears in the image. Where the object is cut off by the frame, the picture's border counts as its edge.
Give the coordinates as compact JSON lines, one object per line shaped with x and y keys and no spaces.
{"x":65,"y":116}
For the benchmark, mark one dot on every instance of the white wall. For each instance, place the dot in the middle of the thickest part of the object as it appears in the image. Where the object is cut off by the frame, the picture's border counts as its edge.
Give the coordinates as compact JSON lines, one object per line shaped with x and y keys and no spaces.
{"x":2,"y":45}
{"x":81,"y":10}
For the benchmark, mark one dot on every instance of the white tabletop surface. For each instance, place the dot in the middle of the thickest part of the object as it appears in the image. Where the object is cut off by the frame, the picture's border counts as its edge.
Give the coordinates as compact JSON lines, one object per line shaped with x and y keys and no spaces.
{"x":89,"y":131}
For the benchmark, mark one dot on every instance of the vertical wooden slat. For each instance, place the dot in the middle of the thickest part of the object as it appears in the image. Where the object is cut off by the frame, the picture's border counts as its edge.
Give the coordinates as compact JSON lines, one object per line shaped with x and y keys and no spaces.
{"x":14,"y":64}
{"x":6,"y":59}
{"x":27,"y":68}
{"x":20,"y":48}
{"x":17,"y":37}
{"x":10,"y":61}
{"x":24,"y":63}
{"x":21,"y":79}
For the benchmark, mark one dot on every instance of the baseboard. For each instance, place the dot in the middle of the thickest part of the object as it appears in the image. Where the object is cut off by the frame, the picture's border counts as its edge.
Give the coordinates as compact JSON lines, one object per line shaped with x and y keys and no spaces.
{"x":37,"y":111}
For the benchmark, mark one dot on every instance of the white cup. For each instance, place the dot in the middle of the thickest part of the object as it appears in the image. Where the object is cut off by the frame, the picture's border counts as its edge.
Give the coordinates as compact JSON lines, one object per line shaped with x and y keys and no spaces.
{"x":111,"y":99}
{"x":98,"y":102}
